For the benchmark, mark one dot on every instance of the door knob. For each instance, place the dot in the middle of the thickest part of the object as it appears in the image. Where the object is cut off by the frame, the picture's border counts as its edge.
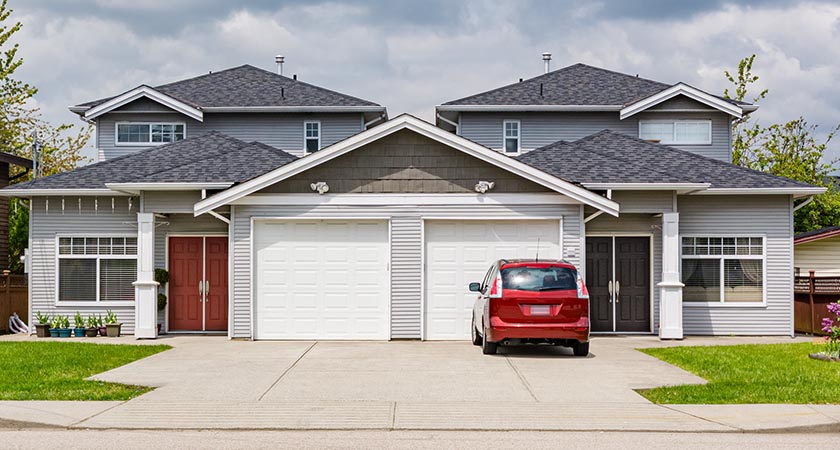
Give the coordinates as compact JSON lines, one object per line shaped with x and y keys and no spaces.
{"x":610,"y":290}
{"x":617,"y":290}
{"x":206,"y":287}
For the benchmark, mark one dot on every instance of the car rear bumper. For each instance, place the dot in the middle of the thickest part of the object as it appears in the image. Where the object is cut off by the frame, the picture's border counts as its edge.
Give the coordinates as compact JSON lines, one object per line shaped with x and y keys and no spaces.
{"x":501,"y":330}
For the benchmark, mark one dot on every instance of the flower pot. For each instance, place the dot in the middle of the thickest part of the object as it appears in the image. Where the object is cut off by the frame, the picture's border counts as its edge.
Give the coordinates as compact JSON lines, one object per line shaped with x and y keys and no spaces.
{"x":91,"y":332}
{"x":53,"y":332}
{"x":64,"y":332}
{"x":103,"y":331}
{"x":78,"y":332}
{"x":42,"y":330}
{"x":113,"y":329}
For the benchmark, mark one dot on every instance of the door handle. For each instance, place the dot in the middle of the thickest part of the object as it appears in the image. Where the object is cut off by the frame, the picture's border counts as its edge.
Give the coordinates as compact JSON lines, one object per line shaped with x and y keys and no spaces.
{"x":206,"y":287}
{"x":617,"y":290}
{"x":610,"y":289}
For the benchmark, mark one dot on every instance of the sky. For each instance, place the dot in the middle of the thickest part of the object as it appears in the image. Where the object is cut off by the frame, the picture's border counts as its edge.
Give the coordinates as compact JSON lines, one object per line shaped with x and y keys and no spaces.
{"x":410,"y":56}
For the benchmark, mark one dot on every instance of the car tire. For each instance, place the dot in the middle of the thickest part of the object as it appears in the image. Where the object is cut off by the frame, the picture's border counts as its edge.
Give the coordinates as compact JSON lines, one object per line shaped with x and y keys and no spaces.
{"x":581,"y":348}
{"x":487,"y":347}
{"x":476,"y":338}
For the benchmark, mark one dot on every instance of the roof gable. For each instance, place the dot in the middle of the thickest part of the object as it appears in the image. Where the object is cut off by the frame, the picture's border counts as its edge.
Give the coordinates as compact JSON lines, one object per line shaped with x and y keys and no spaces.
{"x":423,"y":128}
{"x":188,"y":109}
{"x":681,"y":89}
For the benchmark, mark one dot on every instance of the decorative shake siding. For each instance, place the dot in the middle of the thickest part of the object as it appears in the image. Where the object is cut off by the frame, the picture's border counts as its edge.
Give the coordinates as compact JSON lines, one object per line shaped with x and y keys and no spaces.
{"x":406,"y":249}
{"x":542,"y":128}
{"x":90,"y":220}
{"x":283,"y":131}
{"x":768,"y":215}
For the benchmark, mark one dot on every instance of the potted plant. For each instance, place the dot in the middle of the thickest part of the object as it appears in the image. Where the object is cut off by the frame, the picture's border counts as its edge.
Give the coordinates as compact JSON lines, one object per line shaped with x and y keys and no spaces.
{"x":79,"y":325}
{"x":162,"y":277}
{"x":55,"y":324}
{"x":101,"y":325}
{"x":42,"y":328}
{"x":64,"y":327}
{"x":112,"y":325}
{"x":92,"y":328}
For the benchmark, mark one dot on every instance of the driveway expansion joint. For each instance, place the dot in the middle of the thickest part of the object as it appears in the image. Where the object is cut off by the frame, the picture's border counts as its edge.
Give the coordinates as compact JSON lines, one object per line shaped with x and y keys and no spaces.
{"x":288,"y":369}
{"x":734,"y":428}
{"x":521,"y":378}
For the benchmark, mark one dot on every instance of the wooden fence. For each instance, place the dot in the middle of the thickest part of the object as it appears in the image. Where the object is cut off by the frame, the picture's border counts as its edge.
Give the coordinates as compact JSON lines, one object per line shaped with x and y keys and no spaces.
{"x":811,"y":296}
{"x":14,"y":297}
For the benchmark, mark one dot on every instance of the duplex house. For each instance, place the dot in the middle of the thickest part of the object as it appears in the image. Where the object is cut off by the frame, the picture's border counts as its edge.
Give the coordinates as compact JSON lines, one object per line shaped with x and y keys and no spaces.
{"x":286,"y":211}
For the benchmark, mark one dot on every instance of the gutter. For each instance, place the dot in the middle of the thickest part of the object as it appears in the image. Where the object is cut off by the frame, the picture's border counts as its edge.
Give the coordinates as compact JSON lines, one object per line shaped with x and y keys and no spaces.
{"x":25,"y":193}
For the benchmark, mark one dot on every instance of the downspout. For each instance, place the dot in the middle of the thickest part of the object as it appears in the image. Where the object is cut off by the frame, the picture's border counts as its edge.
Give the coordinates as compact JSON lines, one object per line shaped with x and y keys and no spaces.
{"x":598,"y":213}
{"x":214,"y":213}
{"x":799,"y":206}
{"x":374,"y":120}
{"x":444,"y":119}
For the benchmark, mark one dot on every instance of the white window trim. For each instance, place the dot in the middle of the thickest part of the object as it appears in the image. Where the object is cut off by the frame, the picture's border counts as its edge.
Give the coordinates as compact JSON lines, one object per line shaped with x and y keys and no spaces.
{"x":518,"y":136}
{"x":721,"y":303}
{"x":117,"y":142}
{"x":97,"y":302}
{"x":674,"y":135}
{"x":320,"y":131}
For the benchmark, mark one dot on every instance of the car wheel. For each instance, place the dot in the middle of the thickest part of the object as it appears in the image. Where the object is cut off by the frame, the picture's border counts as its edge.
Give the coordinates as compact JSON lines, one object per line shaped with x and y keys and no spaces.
{"x":476,"y":338}
{"x":487,"y":347}
{"x":581,"y":348}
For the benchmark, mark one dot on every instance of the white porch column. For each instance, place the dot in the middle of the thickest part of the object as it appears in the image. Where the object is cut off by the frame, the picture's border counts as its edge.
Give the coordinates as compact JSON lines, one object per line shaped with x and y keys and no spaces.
{"x":670,"y":289}
{"x":145,"y":288}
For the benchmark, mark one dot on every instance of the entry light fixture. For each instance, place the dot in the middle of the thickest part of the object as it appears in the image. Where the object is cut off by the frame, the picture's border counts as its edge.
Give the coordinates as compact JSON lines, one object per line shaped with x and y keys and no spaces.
{"x":320,"y":187}
{"x":483,"y":186}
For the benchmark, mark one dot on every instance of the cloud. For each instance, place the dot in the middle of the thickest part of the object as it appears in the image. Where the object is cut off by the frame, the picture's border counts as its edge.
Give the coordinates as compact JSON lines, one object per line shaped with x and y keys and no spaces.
{"x":411,"y":56}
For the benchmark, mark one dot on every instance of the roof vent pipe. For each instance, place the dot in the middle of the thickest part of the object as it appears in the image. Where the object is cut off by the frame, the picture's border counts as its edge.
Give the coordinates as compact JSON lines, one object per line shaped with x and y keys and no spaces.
{"x":547,"y":60}
{"x":279,"y":60}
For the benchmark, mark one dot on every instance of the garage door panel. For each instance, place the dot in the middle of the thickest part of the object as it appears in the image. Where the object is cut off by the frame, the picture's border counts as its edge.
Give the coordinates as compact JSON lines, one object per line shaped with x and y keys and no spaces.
{"x":334,"y":279}
{"x":460,"y":252}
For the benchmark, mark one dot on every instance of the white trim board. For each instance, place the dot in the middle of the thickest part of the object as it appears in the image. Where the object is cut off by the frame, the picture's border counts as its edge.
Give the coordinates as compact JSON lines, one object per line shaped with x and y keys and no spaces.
{"x":423,"y":128}
{"x":404,"y":199}
{"x":150,"y":93}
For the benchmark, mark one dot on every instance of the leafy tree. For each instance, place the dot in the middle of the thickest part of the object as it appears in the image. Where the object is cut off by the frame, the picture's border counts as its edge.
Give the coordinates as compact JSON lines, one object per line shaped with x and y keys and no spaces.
{"x":788,"y":150}
{"x":59,"y":147}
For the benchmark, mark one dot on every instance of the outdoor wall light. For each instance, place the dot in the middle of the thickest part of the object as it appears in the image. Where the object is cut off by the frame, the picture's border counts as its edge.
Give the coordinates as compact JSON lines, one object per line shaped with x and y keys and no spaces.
{"x":483,"y":186}
{"x":320,"y":187}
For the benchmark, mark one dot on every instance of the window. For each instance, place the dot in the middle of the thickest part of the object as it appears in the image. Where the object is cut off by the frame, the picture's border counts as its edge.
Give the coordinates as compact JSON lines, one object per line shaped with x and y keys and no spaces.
{"x":677,"y":132}
{"x":96,"y":269}
{"x":511,"y":128}
{"x":312,"y":136}
{"x":723,"y":269}
{"x":149,"y":133}
{"x":539,"y":278}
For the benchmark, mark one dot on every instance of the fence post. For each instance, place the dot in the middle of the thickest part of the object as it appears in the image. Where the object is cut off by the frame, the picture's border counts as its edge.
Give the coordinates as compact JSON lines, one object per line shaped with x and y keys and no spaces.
{"x":811,"y":290}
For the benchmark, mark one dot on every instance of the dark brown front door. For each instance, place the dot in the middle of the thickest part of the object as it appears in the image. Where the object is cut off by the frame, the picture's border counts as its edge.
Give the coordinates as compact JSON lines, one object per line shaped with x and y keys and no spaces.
{"x":198,"y":284}
{"x":618,"y":279}
{"x":599,"y":282}
{"x":632,"y":284}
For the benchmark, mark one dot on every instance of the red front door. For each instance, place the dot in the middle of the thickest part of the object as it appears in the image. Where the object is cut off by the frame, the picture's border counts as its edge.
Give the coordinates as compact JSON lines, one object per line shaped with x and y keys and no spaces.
{"x":198,"y":284}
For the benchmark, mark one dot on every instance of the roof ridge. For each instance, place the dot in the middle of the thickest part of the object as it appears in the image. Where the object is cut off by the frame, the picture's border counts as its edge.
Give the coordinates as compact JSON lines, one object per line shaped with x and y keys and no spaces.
{"x":203,"y":75}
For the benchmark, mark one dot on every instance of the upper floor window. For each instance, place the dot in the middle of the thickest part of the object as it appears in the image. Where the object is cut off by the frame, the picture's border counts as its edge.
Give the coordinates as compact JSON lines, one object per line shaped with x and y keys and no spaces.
{"x":511,"y":136}
{"x":677,"y":132}
{"x":132,"y":133}
{"x":312,"y":136}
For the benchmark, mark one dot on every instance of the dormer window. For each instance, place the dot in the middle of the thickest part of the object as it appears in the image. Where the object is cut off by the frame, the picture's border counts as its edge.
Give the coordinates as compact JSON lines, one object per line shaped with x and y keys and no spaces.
{"x":149,"y":133}
{"x":676,"y":132}
{"x":511,"y":136}
{"x":312,"y":136}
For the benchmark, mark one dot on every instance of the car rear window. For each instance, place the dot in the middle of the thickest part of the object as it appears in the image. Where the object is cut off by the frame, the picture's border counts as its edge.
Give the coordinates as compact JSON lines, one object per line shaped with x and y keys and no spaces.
{"x":539,"y":278}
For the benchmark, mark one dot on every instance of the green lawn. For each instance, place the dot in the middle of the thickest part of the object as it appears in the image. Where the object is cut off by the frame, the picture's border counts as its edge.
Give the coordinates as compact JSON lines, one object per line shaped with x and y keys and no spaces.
{"x":57,"y":370}
{"x":777,"y":373}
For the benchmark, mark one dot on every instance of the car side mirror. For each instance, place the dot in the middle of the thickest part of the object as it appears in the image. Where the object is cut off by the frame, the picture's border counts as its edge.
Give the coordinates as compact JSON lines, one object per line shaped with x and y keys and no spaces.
{"x":475,"y":287}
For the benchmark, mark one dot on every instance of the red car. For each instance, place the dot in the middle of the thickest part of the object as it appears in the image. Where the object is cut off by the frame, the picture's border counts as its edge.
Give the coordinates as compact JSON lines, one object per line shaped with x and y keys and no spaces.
{"x":531,"y":301}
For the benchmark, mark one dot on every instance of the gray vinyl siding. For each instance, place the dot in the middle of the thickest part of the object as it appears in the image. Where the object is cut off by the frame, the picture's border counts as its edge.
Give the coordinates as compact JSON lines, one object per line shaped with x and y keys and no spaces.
{"x":144,"y":105}
{"x":644,"y":201}
{"x":182,"y":224}
{"x":283,"y":131}
{"x":770,"y":216}
{"x":166,"y":202}
{"x":538,"y":129}
{"x":823,"y":257}
{"x":95,"y":218}
{"x":406,"y":250}
{"x":635,"y":224}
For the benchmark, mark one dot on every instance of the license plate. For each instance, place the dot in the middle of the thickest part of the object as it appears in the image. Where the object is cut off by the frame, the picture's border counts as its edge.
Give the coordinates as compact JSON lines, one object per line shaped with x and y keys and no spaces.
{"x":540,"y":310}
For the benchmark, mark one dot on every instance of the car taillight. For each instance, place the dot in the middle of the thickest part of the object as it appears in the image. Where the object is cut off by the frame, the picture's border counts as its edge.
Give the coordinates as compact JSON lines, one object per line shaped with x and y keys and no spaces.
{"x":496,"y":287}
{"x":581,"y":288}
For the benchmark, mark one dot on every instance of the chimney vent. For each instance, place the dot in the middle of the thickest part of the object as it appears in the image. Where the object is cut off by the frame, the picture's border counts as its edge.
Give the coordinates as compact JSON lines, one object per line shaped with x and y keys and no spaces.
{"x":547,"y":60}
{"x":541,"y":89}
{"x":279,"y":60}
{"x":282,"y":92}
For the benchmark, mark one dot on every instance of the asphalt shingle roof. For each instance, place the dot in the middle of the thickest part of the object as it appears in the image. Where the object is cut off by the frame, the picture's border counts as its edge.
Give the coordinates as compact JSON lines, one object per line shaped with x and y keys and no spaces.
{"x":578,"y":84}
{"x":246,"y":86}
{"x":821,"y":231}
{"x":207,"y":158}
{"x":612,"y":157}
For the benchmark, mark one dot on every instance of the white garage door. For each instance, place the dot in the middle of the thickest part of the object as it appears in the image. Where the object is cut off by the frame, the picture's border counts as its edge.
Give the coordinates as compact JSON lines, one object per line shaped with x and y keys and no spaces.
{"x":321,"y":279}
{"x":460,"y":252}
